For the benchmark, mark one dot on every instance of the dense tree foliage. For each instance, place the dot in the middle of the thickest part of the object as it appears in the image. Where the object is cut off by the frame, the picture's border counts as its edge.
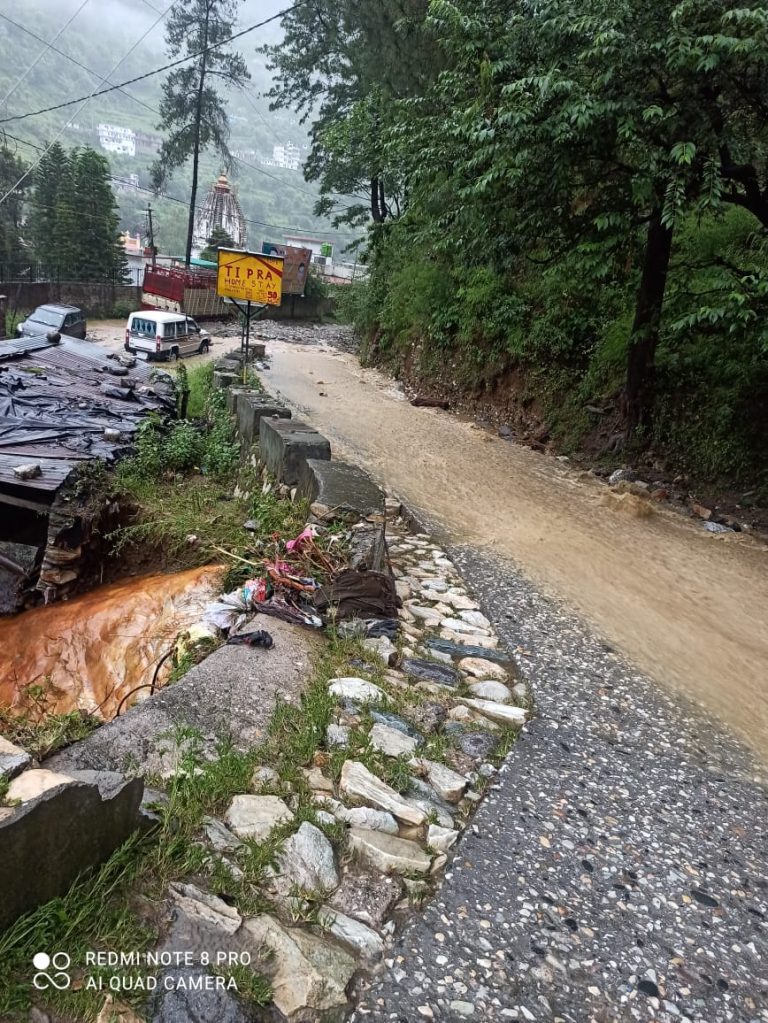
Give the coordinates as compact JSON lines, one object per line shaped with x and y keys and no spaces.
{"x":583,"y":191}
{"x":347,"y":64}
{"x":219,"y":240}
{"x":192,"y":107}
{"x":12,"y":168}
{"x":72,"y":224}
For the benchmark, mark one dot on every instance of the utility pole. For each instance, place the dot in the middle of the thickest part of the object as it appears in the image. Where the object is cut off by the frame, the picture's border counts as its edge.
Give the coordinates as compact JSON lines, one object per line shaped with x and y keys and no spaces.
{"x":151,"y":233}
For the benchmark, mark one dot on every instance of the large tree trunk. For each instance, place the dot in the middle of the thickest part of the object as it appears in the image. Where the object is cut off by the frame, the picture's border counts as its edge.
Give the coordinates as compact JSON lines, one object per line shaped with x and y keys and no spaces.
{"x":638,"y":391}
{"x":375,"y":208}
{"x":196,"y":149}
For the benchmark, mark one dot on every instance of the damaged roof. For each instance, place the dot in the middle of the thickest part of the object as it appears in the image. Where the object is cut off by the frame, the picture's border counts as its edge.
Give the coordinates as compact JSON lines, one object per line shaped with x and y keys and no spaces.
{"x":57,"y":399}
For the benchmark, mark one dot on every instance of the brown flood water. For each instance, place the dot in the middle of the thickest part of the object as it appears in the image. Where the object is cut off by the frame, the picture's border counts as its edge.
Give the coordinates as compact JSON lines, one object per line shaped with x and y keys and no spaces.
{"x":688,"y":607}
{"x":90,"y":651}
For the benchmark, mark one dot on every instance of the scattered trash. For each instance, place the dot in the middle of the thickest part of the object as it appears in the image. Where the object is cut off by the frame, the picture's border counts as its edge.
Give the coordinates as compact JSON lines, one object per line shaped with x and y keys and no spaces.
{"x":260,"y":638}
{"x":251,"y":525}
{"x":355,"y":594}
{"x":375,"y":629}
{"x":717,"y":527}
{"x":306,"y":536}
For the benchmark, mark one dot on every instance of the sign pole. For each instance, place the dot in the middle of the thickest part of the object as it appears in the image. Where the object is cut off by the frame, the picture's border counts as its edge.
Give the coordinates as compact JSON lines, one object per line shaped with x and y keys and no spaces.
{"x":247,"y":339}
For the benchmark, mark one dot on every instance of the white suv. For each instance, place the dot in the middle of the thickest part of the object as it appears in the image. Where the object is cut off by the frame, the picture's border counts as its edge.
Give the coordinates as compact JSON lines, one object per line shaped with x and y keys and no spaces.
{"x":154,"y":335}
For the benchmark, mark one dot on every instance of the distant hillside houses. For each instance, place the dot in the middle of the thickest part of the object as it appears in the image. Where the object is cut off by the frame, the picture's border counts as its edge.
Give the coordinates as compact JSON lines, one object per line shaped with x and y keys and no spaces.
{"x":285,"y":155}
{"x":115,"y":138}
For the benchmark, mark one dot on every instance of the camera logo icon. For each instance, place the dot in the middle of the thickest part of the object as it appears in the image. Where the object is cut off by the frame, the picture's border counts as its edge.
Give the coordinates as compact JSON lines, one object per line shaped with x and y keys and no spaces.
{"x":58,"y":964}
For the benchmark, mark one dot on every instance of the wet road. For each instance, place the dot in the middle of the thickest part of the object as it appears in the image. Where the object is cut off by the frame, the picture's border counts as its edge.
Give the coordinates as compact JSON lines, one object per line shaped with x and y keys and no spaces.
{"x":687,"y":607}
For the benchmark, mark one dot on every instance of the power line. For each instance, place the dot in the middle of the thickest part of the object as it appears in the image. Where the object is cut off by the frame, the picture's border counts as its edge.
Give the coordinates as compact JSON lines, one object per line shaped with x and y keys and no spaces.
{"x":156,"y":71}
{"x":82,"y":106}
{"x":258,"y":170}
{"x":73,"y":60}
{"x":175,"y":199}
{"x":41,"y":54}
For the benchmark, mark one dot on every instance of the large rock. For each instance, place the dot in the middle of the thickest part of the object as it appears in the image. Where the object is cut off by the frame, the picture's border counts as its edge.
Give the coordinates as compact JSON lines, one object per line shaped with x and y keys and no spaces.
{"x":205,"y":906}
{"x":256,"y":816}
{"x":387,"y":853}
{"x":500,"y":713}
{"x":358,"y":689}
{"x":441,"y":839}
{"x":365,"y":817}
{"x":361,"y":786}
{"x":429,"y":671}
{"x":448,"y":784}
{"x":481,"y":668}
{"x":391,"y":741}
{"x":363,"y":941}
{"x":251,"y":409}
{"x":310,"y":975}
{"x":367,"y":897}
{"x":285,"y":446}
{"x":307,"y":860}
{"x":13,"y":759}
{"x":489,"y":689}
{"x":345,"y":490}
{"x":63,"y":826}
{"x":456,"y":647}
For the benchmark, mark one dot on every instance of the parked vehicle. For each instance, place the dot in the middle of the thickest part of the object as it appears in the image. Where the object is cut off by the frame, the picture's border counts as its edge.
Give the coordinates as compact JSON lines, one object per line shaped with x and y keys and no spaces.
{"x":150,"y":334}
{"x":63,"y":319}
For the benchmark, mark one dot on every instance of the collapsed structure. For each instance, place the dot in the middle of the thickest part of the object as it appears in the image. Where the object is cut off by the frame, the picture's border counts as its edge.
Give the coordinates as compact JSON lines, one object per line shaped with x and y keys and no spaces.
{"x":64,"y":405}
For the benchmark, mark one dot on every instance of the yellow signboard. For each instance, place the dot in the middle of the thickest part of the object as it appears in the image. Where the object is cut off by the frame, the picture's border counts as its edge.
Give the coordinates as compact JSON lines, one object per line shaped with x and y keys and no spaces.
{"x":250,"y":277}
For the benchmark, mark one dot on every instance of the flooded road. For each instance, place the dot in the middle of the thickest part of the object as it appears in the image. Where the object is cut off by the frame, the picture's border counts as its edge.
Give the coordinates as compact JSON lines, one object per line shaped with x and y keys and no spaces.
{"x":87,"y":653}
{"x":687,"y":607}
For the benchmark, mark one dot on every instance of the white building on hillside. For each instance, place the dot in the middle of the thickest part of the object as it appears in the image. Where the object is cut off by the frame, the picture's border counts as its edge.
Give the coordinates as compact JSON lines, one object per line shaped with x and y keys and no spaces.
{"x":287,"y":156}
{"x":113,"y":138}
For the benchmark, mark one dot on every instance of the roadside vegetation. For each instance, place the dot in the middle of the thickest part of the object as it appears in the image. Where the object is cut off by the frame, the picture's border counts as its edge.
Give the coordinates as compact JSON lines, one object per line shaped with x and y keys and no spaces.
{"x":567,"y":212}
{"x":190,"y":490}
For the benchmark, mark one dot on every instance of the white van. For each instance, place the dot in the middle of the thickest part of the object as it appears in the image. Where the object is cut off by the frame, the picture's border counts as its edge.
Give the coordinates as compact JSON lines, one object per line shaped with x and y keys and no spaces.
{"x":150,"y":334}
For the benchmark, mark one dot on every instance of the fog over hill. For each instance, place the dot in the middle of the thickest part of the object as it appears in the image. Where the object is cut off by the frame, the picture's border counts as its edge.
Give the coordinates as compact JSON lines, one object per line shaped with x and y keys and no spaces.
{"x":88,"y":50}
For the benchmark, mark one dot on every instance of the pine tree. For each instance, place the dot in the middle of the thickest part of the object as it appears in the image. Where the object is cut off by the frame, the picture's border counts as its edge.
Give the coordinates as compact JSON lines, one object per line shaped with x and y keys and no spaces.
{"x":11,"y":244}
{"x":100,"y":252}
{"x":192,"y":110}
{"x":48,"y":177}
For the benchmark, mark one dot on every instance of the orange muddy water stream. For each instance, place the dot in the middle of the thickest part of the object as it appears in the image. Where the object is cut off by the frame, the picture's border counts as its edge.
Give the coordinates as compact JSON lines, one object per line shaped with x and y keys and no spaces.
{"x":87,"y":653}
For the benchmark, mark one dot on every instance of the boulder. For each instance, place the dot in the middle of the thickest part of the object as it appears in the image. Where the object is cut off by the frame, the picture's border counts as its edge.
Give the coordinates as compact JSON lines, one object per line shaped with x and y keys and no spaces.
{"x":367,"y":897}
{"x":13,"y":759}
{"x":310,"y":975}
{"x":441,"y":839}
{"x":448,"y":784}
{"x":479,"y":667}
{"x":363,"y":941}
{"x":489,"y":689}
{"x":365,"y":817}
{"x":383,"y":647}
{"x":499,"y":713}
{"x":361,"y":786}
{"x":429,"y":671}
{"x":391,"y":741}
{"x":206,"y":907}
{"x":256,"y":816}
{"x":358,"y":689}
{"x":307,"y":860}
{"x":387,"y":853}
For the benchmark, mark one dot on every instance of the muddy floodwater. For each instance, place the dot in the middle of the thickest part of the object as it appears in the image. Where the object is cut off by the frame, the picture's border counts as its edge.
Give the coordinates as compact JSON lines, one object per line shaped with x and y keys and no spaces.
{"x":88,"y":653}
{"x":688,"y":607}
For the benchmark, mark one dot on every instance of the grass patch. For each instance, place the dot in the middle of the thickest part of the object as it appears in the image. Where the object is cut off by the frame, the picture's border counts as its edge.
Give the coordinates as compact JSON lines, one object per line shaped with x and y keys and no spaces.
{"x":41,"y":733}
